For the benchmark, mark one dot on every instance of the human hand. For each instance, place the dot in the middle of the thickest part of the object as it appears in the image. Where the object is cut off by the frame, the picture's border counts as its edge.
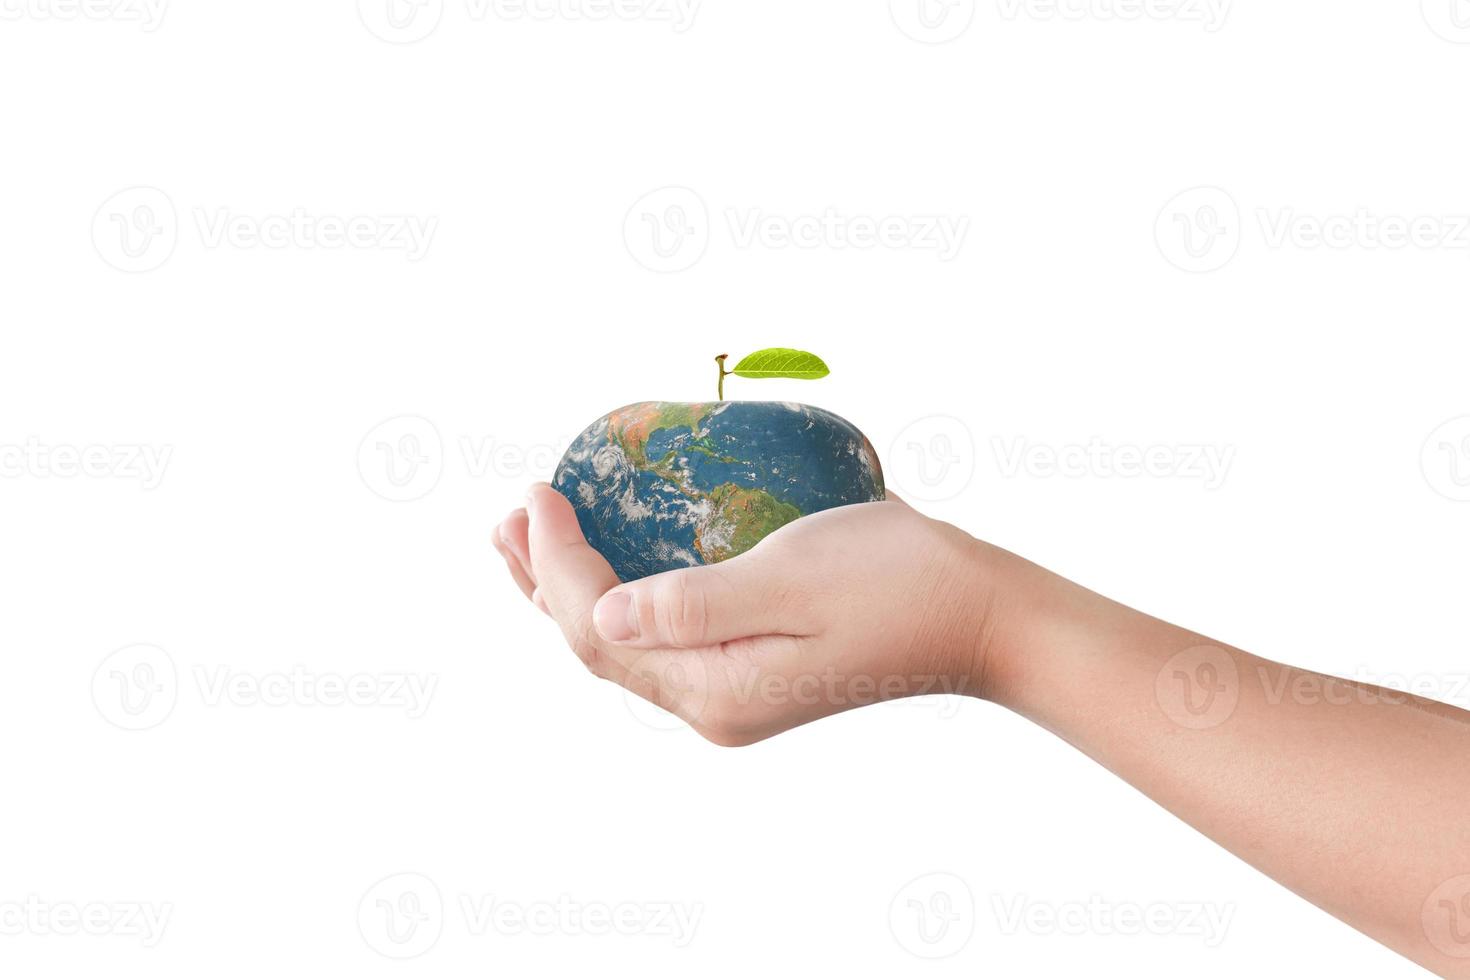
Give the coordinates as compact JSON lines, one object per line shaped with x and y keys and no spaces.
{"x":839,"y":609}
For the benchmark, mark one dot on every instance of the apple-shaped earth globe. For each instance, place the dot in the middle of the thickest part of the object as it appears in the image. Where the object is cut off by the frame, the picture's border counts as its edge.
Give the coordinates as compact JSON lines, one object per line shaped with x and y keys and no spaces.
{"x":664,"y":485}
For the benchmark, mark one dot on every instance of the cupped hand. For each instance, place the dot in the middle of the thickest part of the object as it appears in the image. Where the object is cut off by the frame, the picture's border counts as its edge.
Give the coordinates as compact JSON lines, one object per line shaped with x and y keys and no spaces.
{"x":839,"y":609}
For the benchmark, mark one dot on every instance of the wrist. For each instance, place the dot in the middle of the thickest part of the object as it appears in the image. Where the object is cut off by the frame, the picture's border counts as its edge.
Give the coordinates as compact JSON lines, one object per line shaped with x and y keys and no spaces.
{"x":1014,"y":612}
{"x":971,"y":603}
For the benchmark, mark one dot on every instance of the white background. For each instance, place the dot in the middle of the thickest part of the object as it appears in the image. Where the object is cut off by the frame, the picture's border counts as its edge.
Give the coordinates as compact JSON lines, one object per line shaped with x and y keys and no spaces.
{"x":1088,"y":302}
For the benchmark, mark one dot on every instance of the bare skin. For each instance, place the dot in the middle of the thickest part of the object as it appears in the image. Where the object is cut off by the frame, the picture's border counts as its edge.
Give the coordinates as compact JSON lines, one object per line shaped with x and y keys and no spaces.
{"x":1355,"y":797}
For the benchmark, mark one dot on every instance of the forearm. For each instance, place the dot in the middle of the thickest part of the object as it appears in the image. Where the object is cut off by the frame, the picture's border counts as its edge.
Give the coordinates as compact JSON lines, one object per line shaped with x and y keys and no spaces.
{"x":1355,"y":797}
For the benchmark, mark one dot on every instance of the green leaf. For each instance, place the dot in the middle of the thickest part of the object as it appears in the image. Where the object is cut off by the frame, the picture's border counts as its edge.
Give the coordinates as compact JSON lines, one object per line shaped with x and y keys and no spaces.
{"x":781,"y":362}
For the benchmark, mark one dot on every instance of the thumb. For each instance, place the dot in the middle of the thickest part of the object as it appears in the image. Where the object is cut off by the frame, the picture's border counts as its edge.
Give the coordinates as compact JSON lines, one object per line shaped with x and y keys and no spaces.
{"x":749,"y":595}
{"x":568,"y":573}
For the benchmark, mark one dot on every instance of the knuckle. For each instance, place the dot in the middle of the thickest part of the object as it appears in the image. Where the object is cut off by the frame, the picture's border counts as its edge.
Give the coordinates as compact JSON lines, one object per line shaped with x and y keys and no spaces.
{"x":686,"y":611}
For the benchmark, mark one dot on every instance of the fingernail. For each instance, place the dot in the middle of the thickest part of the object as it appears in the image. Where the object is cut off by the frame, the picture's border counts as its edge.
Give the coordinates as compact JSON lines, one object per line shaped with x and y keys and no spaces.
{"x":613,"y":617}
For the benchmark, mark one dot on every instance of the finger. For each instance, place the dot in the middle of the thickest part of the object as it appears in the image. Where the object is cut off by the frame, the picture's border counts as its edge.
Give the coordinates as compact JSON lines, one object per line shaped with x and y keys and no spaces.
{"x":570,"y":576}
{"x":513,"y":532}
{"x":513,"y":565}
{"x":750,"y":595}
